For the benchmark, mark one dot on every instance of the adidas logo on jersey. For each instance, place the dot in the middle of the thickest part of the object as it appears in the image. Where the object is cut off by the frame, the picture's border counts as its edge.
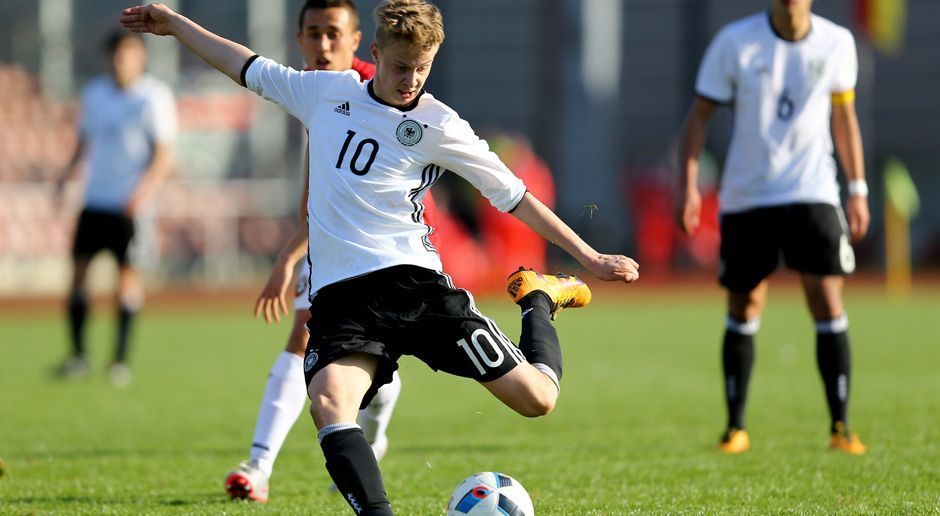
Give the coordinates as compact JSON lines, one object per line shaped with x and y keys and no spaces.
{"x":342,"y":109}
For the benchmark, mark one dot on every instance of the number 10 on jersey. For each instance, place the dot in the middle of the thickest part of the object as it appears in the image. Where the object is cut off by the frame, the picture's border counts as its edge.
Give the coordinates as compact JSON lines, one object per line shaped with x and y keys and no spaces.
{"x":355,"y":160}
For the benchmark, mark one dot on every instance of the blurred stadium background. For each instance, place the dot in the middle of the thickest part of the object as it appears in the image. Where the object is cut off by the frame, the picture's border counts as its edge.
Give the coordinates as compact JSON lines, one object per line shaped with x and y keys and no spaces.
{"x":598,"y":87}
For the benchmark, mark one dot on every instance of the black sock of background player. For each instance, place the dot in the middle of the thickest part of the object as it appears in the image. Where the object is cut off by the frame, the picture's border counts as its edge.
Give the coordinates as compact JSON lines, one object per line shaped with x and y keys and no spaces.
{"x":834,"y":358}
{"x":78,"y":312}
{"x":539,"y":340}
{"x":125,"y":321}
{"x":354,"y":470}
{"x":737,"y":353}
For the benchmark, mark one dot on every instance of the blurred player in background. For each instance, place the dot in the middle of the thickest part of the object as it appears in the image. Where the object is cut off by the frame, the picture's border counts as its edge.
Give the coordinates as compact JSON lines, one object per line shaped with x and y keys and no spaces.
{"x":328,"y":34}
{"x":790,"y":76}
{"x":125,"y":136}
{"x":377,"y":289}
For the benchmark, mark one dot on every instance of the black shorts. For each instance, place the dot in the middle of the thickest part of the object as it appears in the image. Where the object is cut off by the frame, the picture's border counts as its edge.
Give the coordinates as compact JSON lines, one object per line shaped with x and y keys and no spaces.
{"x":98,"y":230}
{"x":406,"y":310}
{"x":812,"y":238}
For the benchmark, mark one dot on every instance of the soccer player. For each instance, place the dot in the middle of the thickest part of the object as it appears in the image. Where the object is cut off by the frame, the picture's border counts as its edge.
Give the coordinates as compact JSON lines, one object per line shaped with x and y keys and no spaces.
{"x":376,"y":286}
{"x":125,"y":134}
{"x":328,"y":35}
{"x":790,"y":76}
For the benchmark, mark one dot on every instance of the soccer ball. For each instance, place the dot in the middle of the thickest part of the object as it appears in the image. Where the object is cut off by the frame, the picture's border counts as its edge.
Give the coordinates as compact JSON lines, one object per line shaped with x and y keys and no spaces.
{"x":490,"y":493}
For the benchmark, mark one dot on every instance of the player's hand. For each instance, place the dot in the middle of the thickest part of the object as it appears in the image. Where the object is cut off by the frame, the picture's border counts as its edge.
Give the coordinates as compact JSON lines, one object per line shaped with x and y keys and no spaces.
{"x":856,"y":210}
{"x":689,"y":210}
{"x":272,"y":300}
{"x":153,"y":19}
{"x":615,"y":267}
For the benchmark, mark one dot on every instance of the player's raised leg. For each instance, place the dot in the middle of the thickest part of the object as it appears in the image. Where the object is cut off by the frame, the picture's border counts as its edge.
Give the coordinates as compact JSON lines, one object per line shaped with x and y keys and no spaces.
{"x":833,"y":355}
{"x":532,"y":388}
{"x":336,"y":392}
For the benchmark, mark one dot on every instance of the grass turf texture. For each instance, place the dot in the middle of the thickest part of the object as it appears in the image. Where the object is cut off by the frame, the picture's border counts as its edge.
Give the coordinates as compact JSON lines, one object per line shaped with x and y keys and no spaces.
{"x":635,"y":429}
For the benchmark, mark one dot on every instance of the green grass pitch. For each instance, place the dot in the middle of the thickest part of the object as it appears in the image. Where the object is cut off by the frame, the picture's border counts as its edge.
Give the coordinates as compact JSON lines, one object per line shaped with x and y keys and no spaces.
{"x":634,"y":431}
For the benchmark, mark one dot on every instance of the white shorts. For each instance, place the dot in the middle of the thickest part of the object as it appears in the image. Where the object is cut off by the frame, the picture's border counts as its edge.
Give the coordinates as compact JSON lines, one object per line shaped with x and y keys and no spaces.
{"x":302,"y":290}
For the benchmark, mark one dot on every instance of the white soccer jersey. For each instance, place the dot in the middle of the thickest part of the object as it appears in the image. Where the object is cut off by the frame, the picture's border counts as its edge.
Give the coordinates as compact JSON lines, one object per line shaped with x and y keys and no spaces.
{"x":781,"y":147}
{"x":371,"y":165}
{"x":120,"y":128}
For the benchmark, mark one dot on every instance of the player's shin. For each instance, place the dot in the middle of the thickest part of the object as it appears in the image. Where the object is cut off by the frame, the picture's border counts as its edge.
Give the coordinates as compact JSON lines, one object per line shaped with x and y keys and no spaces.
{"x":737,"y":354}
{"x":374,"y":419}
{"x":834,"y":358}
{"x":354,"y":469}
{"x":284,"y":399}
{"x":539,"y":340}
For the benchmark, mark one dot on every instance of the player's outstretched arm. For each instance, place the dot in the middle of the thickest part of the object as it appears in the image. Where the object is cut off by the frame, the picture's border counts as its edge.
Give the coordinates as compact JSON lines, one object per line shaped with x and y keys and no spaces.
{"x":226,"y":56}
{"x":543,"y":221}
{"x":691,"y":142}
{"x":848,"y":142}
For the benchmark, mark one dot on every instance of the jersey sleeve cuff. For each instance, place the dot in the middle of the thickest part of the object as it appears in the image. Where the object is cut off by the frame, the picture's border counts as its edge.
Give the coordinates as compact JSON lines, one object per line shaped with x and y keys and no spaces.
{"x":510,"y":210}
{"x":241,"y":76}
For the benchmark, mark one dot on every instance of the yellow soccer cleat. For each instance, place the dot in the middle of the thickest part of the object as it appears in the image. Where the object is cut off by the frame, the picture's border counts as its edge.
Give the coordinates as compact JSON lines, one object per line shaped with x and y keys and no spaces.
{"x":565,"y":291}
{"x":735,"y":440}
{"x":845,"y":441}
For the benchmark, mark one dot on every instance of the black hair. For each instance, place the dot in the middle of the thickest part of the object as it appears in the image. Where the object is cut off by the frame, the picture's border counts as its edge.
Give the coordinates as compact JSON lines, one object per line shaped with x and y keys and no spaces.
{"x":328,"y":4}
{"x":114,"y":39}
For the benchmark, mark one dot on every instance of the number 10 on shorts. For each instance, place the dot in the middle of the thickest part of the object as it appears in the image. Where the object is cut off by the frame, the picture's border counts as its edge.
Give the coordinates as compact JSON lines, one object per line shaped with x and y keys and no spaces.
{"x":476,"y":352}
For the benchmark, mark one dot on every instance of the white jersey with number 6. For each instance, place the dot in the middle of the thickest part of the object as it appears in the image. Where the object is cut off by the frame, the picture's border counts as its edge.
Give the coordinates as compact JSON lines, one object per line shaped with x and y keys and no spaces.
{"x":780,"y":90}
{"x":371,"y":165}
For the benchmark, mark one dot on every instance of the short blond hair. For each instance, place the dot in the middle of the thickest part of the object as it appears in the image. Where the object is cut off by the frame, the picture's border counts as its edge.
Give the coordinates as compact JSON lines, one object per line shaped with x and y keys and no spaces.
{"x":415,"y":22}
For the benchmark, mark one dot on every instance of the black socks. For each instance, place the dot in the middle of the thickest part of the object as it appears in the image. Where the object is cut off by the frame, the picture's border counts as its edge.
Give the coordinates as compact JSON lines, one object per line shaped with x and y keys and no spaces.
{"x":125,"y":318}
{"x":78,"y":312}
{"x":354,"y":470}
{"x":539,"y":340}
{"x":737,"y":353}
{"x":834,"y":358}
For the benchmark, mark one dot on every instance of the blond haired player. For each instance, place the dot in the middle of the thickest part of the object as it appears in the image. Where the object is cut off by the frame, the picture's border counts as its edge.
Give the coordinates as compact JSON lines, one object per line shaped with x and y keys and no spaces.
{"x":377,"y":289}
{"x":328,"y":35}
{"x":790,"y":76}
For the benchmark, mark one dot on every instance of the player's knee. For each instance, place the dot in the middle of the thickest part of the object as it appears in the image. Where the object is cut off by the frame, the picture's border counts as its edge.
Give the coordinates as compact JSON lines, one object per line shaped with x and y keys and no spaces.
{"x":324,"y":408}
{"x":538,"y":407}
{"x":131,"y":297}
{"x":538,"y":402}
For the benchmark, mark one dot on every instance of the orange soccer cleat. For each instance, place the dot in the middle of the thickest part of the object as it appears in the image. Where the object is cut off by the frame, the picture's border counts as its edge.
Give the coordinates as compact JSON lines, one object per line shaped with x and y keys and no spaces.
{"x":565,"y":291}
{"x":735,"y":440}
{"x":845,"y":441}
